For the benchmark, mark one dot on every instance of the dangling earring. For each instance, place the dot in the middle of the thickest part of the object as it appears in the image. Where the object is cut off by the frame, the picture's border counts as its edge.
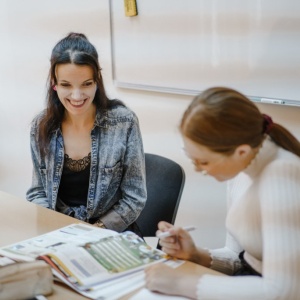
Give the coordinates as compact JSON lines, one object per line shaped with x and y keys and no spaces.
{"x":204,"y":172}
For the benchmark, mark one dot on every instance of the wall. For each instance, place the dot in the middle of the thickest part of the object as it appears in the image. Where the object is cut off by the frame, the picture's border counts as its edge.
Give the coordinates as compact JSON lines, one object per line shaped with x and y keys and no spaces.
{"x":28,"y":32}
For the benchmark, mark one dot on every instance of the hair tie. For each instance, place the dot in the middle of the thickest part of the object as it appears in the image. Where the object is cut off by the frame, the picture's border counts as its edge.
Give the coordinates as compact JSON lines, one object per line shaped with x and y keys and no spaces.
{"x":268,"y":124}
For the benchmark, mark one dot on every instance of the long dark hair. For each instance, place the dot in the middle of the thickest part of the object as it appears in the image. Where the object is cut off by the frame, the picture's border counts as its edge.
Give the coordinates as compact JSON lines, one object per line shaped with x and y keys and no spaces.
{"x":222,"y":119}
{"x":75,"y":48}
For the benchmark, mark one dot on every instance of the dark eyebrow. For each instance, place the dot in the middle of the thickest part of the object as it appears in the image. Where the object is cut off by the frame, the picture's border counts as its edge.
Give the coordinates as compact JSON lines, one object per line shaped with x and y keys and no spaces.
{"x":62,"y":80}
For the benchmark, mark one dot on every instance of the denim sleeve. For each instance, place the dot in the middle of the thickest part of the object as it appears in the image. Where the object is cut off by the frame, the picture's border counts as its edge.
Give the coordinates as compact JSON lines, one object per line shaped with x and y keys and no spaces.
{"x":37,"y":192}
{"x":133,"y":184}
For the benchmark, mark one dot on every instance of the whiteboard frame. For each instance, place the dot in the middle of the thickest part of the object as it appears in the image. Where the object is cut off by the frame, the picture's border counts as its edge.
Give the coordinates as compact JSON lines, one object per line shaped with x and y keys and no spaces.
{"x":178,"y":91}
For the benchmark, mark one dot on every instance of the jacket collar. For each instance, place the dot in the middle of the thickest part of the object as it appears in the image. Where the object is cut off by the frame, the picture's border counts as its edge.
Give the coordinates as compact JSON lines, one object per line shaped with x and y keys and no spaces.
{"x":101,"y":118}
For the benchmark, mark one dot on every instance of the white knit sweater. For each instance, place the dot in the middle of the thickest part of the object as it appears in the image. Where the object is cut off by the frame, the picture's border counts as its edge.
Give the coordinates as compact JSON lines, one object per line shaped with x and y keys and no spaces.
{"x":264,"y":220}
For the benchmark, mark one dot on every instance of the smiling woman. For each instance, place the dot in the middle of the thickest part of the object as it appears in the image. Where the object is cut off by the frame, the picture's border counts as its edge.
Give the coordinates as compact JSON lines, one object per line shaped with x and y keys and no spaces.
{"x":87,"y":151}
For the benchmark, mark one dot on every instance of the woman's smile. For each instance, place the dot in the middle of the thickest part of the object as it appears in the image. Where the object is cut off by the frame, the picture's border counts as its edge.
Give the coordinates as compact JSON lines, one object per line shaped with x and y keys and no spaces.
{"x":77,"y":104}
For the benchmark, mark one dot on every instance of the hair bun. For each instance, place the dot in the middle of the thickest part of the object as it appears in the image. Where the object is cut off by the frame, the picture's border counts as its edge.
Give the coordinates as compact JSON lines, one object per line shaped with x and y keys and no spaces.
{"x":76,"y":35}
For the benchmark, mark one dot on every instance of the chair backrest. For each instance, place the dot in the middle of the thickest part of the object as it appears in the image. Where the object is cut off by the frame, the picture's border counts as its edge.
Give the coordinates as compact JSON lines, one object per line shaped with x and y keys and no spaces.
{"x":165,"y":181}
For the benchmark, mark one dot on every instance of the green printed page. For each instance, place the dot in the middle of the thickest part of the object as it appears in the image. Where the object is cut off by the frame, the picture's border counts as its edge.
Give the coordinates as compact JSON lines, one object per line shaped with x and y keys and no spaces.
{"x":123,"y":252}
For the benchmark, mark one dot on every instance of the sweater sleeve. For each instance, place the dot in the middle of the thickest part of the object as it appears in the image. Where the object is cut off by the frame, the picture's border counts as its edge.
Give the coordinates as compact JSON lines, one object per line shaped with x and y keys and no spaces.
{"x":279,"y":193}
{"x":226,"y":259}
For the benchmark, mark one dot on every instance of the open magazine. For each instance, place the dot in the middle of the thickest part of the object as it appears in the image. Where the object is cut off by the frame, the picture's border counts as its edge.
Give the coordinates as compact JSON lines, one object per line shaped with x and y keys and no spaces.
{"x":88,"y":258}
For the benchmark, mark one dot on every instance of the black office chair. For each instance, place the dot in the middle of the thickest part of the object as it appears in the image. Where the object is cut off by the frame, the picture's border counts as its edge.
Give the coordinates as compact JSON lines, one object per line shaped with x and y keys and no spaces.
{"x":165,"y":181}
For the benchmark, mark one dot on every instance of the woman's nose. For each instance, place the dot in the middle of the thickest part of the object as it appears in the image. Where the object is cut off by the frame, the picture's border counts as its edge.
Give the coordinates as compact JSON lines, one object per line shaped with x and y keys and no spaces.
{"x":199,"y":169}
{"x":76,"y":94}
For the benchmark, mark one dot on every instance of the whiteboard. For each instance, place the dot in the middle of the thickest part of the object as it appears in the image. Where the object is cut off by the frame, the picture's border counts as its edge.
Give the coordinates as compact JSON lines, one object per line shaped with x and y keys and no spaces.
{"x":186,"y":46}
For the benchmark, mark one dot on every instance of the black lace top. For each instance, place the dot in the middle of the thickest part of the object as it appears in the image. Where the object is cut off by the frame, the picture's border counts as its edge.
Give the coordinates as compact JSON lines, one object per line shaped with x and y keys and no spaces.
{"x":74,"y":184}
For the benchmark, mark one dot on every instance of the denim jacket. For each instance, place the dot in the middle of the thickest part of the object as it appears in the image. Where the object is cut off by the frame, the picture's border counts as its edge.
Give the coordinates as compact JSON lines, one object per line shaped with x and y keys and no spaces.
{"x":117,"y":186}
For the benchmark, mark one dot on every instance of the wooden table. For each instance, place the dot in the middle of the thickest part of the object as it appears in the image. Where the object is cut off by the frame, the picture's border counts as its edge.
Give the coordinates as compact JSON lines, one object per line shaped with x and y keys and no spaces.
{"x":20,"y":220}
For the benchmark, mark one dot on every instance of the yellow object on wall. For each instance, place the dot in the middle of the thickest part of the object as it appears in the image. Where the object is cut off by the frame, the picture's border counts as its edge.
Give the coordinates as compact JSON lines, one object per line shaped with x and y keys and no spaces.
{"x":130,"y":8}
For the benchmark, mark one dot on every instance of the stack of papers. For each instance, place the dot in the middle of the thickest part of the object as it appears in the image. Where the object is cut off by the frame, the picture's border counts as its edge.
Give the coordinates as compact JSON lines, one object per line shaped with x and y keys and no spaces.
{"x":97,"y":263}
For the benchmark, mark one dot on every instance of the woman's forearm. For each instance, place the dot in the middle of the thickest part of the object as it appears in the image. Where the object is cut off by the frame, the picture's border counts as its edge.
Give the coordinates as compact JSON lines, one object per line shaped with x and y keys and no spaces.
{"x":201,"y":257}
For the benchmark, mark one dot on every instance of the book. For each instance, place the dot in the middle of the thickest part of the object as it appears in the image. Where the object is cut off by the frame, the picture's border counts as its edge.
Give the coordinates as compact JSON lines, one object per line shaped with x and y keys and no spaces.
{"x":88,"y":259}
{"x":24,"y":280}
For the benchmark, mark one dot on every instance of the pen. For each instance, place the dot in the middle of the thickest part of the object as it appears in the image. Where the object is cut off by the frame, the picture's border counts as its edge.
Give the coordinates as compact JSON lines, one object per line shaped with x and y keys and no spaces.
{"x":167,"y":233}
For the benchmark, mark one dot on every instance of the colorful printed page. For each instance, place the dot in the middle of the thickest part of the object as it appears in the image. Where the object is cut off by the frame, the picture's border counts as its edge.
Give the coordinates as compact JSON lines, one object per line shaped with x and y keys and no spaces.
{"x":99,"y":261}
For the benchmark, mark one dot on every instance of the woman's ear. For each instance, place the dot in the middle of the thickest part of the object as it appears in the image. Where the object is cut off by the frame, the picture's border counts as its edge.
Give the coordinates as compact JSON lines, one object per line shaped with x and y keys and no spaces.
{"x":242,"y":151}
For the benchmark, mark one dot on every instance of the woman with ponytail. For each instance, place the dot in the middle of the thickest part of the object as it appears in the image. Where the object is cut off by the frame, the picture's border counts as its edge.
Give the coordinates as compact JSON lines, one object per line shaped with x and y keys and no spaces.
{"x":228,"y":138}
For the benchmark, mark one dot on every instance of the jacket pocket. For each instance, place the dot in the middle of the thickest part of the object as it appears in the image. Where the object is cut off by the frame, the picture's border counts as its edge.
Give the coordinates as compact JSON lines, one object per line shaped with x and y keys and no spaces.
{"x":111,"y":180}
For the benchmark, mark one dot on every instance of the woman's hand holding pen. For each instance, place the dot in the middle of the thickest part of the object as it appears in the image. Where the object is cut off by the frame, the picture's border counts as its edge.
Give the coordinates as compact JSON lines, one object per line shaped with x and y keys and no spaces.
{"x":180,"y":244}
{"x":159,"y":277}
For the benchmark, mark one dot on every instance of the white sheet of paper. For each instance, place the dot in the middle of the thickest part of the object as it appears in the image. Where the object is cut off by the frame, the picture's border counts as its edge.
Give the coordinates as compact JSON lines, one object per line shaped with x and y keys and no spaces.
{"x":148,"y":295}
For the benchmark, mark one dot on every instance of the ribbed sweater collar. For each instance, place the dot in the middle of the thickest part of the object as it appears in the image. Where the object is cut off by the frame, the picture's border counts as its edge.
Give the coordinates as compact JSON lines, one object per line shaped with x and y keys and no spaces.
{"x":266,"y":153}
